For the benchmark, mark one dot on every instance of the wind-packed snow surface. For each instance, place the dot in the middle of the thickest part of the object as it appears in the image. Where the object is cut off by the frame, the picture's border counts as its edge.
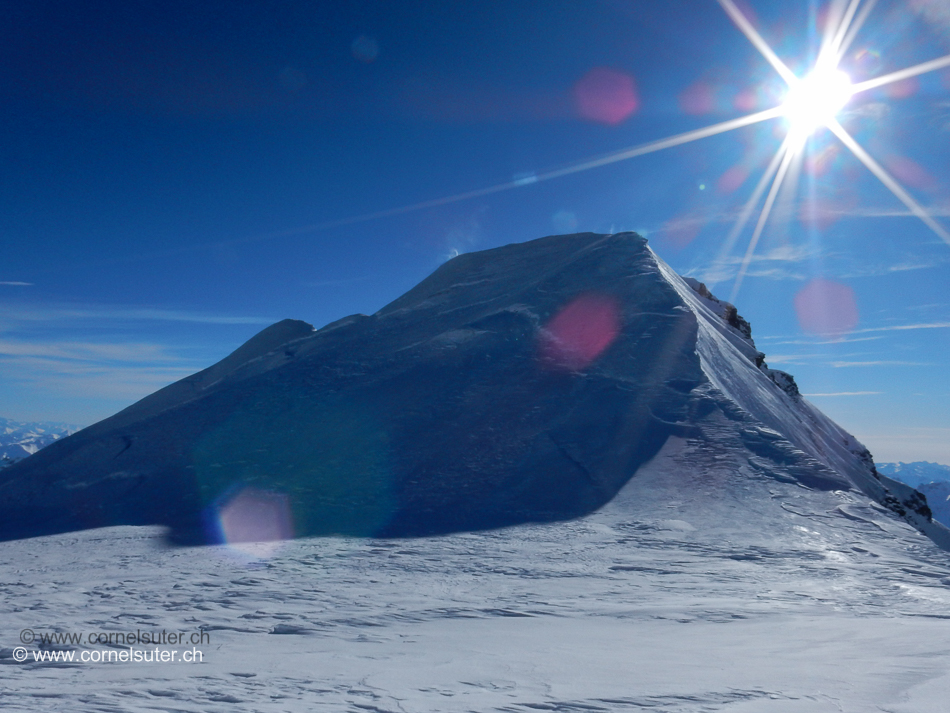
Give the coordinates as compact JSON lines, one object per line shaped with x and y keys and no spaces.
{"x":704,"y":586}
{"x":527,"y":383}
{"x":684,"y":532}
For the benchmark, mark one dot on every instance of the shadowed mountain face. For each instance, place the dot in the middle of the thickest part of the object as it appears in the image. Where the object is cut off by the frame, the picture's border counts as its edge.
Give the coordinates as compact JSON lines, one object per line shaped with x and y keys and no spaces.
{"x":522,"y":384}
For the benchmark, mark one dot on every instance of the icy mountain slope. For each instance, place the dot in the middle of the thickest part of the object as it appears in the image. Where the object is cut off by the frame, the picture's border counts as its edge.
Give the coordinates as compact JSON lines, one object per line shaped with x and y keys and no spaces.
{"x":738,"y":370}
{"x":527,"y":383}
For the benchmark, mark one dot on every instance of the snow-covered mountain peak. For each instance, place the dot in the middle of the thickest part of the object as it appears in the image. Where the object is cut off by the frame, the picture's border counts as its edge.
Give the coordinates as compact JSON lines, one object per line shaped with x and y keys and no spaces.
{"x":521,"y":384}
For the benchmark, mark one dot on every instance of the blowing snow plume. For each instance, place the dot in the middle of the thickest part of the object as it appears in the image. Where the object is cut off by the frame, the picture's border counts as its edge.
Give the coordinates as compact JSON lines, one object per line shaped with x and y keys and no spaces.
{"x":526,"y":383}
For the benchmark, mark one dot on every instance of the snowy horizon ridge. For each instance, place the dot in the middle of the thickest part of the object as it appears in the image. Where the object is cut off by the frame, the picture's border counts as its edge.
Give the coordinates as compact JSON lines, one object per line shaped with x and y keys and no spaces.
{"x":527,"y":383}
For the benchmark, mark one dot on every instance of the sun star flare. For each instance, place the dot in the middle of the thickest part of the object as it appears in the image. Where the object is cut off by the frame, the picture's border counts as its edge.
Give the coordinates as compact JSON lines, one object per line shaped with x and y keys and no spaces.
{"x":816,"y":99}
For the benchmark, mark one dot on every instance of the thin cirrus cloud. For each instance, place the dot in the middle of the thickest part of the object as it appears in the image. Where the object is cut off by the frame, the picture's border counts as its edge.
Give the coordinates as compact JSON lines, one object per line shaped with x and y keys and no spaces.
{"x":903,"y":327}
{"x":35,"y":370}
{"x":836,"y":360}
{"x":94,"y":381}
{"x":9,"y":283}
{"x":788,"y":359}
{"x":814,"y":342}
{"x":50,"y":314}
{"x":849,"y":364}
{"x":889,"y":268}
{"x":86,"y":351}
{"x":723,"y":273}
{"x":102,"y":374}
{"x":935,"y":211}
{"x":867,"y":330}
{"x":845,"y":393}
{"x":775,"y":264}
{"x":780,"y":267}
{"x":119,"y":371}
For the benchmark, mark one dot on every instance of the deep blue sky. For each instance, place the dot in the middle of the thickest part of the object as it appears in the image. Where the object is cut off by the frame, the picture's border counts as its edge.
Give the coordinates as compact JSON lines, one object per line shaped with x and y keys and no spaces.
{"x":169,"y":170}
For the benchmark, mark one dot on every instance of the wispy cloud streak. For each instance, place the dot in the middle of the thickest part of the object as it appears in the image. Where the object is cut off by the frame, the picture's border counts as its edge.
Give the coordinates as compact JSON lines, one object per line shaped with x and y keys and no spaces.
{"x":52,"y":313}
{"x":904,"y":327}
{"x":849,"y":364}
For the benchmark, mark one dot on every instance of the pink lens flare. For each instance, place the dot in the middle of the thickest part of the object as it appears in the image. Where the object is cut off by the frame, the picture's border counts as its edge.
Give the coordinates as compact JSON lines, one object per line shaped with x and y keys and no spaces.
{"x":817,"y":163}
{"x":909,"y":172}
{"x":580,"y":332}
{"x":902,"y":89}
{"x":697,"y":99}
{"x":732,"y":179}
{"x":255,"y":515}
{"x":364,"y":49}
{"x":826,"y":308}
{"x":746,"y":100}
{"x":606,"y":95}
{"x":682,"y":231}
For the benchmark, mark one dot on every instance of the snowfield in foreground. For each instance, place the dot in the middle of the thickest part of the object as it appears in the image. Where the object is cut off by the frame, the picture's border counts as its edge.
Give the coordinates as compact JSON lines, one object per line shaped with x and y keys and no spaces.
{"x":703,"y":586}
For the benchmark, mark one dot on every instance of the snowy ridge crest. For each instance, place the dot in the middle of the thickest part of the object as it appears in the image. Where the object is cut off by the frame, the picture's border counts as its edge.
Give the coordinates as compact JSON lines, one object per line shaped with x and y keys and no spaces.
{"x":802,"y":424}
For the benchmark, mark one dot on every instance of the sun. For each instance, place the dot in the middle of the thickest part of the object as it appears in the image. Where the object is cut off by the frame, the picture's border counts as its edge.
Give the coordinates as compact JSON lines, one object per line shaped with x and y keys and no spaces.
{"x":812,"y":102}
{"x":815,"y":100}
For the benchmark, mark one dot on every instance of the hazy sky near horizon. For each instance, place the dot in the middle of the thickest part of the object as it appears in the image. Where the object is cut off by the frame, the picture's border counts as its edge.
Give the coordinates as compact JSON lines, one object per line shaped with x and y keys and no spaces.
{"x":178,"y":175}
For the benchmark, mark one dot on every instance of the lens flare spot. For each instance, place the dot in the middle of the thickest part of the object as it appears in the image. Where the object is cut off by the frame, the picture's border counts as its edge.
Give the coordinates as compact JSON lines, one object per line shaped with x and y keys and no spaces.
{"x":606,"y":95}
{"x":867,"y":62}
{"x":732,"y":179}
{"x":817,"y":163}
{"x":909,"y":172}
{"x":564,"y":221}
{"x":255,"y":521}
{"x":580,"y":332}
{"x":680,"y":232}
{"x":364,"y":49}
{"x":292,"y":79}
{"x":746,"y":100}
{"x":697,"y":99}
{"x":826,"y":308}
{"x":902,"y":89}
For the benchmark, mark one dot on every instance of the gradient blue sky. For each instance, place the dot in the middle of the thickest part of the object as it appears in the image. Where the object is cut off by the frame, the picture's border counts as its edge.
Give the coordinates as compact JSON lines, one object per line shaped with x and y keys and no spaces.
{"x":178,"y":175}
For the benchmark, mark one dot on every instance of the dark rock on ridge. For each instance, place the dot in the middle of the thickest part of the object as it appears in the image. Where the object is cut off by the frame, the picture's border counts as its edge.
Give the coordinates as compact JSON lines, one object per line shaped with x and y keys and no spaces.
{"x":522,"y":384}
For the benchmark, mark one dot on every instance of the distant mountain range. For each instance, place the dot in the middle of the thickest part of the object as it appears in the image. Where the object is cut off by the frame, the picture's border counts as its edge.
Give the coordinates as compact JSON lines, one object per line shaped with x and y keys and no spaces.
{"x":931,"y":479}
{"x":938,"y":498}
{"x":917,"y":473}
{"x":19,"y":440}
